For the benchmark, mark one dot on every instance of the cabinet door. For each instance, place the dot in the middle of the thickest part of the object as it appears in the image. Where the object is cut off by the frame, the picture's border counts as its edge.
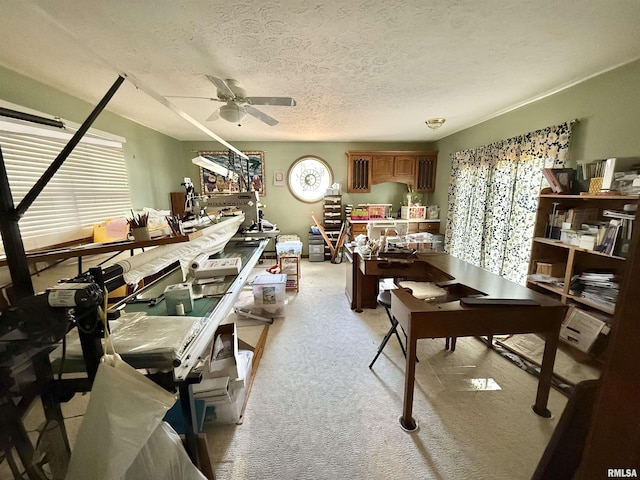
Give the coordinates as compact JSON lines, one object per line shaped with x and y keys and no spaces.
{"x":358,"y":173}
{"x":426,"y":173}
{"x":381,"y":169}
{"x":404,"y":168}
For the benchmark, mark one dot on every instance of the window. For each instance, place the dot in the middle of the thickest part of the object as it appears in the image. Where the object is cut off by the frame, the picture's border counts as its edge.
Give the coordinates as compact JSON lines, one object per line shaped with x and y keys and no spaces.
{"x":493,"y":199}
{"x":308,"y":178}
{"x":90,"y":187}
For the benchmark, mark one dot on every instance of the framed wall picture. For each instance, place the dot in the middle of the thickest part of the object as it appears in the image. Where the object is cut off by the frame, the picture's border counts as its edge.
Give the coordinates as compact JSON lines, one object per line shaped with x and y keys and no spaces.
{"x":230,"y":173}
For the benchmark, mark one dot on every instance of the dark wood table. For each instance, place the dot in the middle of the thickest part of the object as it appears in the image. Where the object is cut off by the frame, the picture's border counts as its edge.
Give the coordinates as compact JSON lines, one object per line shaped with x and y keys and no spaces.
{"x":449,"y":318}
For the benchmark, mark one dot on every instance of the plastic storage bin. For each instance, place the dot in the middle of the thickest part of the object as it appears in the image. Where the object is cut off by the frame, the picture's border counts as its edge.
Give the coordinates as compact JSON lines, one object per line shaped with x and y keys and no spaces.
{"x":316,"y":252}
{"x":377,"y":211}
{"x":269,"y":294}
{"x":289,"y":248}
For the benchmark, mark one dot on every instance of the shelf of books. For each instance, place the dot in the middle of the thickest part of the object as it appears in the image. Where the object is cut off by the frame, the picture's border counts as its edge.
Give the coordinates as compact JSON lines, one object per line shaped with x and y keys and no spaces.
{"x":578,"y":255}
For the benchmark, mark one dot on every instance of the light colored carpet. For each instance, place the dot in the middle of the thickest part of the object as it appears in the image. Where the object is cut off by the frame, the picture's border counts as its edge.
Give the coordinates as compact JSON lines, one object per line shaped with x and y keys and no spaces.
{"x":316,"y":411}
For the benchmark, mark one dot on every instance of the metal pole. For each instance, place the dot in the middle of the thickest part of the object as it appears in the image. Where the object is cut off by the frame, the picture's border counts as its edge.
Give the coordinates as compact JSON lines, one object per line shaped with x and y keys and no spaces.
{"x":6,"y":112}
{"x":13,"y":246}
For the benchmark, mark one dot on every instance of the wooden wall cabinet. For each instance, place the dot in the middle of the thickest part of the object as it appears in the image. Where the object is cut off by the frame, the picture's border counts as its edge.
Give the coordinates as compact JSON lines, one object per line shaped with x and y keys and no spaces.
{"x":393,"y":168}
{"x":366,"y":168}
{"x":359,"y":172}
{"x":425,"y":172}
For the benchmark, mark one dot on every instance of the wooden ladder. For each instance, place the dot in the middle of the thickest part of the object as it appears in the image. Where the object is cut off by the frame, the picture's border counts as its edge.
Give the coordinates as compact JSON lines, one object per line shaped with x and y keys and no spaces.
{"x":334,"y":249}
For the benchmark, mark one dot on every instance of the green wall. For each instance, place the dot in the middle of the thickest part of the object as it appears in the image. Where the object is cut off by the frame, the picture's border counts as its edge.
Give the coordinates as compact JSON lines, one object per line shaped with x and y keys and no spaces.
{"x":151,"y":156}
{"x":282,"y":208}
{"x":607,"y":108}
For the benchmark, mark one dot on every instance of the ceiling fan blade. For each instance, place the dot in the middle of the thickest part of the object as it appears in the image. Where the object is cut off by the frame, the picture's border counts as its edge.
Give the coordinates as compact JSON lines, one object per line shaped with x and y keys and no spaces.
{"x":261,"y":116}
{"x":197,"y":98}
{"x":222,"y":86}
{"x":280,"y":101}
{"x":214,"y":116}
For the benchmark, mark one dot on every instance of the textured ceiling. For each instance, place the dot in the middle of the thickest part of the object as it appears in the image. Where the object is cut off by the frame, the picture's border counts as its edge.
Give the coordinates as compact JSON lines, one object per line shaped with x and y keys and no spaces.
{"x":371,"y":70}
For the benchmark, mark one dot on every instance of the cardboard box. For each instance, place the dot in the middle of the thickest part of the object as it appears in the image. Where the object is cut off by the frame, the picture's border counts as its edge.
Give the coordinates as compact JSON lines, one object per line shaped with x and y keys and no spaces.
{"x":412,"y":213}
{"x":554,"y":269}
{"x":111,"y":230}
{"x":223,"y":363}
{"x":587,"y":241}
{"x":212,"y":387}
{"x":227,"y":408}
{"x":581,"y":329}
{"x":180,"y":293}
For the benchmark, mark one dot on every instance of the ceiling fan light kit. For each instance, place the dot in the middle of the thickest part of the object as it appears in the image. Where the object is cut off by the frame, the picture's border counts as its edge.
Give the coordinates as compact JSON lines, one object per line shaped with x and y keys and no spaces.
{"x":435,"y":123}
{"x":232,"y":112}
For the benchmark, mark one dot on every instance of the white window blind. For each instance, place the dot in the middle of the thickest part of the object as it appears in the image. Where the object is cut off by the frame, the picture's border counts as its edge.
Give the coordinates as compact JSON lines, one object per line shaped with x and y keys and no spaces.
{"x":90,"y":187}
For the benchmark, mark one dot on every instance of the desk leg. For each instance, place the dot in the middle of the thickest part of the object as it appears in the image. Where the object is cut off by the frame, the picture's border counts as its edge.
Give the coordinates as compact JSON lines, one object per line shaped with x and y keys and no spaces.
{"x":546,"y":373}
{"x":407,"y":422}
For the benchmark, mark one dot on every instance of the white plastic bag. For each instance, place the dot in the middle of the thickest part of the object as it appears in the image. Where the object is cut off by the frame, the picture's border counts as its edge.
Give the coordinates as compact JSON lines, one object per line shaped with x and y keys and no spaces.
{"x":124,"y":410}
{"x":163,"y":458}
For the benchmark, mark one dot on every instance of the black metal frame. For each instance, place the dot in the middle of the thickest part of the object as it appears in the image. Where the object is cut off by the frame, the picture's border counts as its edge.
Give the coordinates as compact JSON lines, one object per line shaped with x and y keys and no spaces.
{"x":14,"y":432}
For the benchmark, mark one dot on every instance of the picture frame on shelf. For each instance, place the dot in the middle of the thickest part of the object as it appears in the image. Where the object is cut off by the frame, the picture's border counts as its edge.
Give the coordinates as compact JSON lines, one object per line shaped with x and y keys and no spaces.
{"x":236,"y":174}
{"x":561,"y":180}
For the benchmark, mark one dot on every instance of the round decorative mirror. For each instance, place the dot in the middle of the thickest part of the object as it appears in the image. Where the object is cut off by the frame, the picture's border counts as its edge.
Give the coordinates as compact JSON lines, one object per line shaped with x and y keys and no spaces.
{"x":308,"y":178}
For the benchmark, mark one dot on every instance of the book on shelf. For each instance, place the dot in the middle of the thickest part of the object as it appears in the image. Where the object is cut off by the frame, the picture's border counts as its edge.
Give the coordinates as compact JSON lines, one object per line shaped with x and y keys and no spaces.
{"x":610,"y":238}
{"x":619,"y":214}
{"x":598,"y":287}
{"x":560,"y":179}
{"x":609,"y":170}
{"x":577,"y":216}
{"x":626,"y":219}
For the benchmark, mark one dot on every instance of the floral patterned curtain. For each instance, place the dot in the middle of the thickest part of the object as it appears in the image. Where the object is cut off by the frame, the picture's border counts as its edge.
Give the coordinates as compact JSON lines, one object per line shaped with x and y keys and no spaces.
{"x":493,"y":197}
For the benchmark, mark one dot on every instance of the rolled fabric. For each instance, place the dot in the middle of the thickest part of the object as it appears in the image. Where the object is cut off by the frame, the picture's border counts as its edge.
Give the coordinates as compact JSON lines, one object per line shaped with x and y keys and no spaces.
{"x":199,"y":260}
{"x":152,"y":261}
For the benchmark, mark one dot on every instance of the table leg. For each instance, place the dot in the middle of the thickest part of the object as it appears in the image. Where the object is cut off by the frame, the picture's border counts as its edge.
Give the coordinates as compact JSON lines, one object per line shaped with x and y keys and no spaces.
{"x":407,"y":422}
{"x":546,"y":373}
{"x":190,"y":422}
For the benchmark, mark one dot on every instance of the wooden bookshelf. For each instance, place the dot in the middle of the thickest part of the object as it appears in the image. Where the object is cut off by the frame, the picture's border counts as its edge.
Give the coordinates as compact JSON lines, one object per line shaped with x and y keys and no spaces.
{"x":578,"y":260}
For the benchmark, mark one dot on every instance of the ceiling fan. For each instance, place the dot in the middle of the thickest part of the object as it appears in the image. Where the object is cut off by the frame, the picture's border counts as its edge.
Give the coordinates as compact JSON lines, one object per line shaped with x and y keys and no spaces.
{"x":238,"y":105}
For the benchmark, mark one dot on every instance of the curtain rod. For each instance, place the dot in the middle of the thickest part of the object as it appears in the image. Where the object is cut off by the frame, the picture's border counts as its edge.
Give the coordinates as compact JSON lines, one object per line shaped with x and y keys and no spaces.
{"x":6,"y":112}
{"x":570,"y":122}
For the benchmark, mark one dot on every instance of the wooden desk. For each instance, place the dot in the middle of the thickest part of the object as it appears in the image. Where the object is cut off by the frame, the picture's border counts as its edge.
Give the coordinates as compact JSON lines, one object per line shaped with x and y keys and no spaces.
{"x":451,"y":319}
{"x":363,"y":275}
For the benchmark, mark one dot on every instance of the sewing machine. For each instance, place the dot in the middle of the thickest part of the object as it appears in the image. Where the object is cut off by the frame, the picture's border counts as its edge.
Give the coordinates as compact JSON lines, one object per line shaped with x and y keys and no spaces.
{"x":248,"y":202}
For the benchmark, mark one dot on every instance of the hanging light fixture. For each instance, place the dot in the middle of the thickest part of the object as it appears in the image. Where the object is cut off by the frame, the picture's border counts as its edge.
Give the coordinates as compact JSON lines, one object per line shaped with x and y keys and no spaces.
{"x":232,"y":112}
{"x":435,"y":123}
